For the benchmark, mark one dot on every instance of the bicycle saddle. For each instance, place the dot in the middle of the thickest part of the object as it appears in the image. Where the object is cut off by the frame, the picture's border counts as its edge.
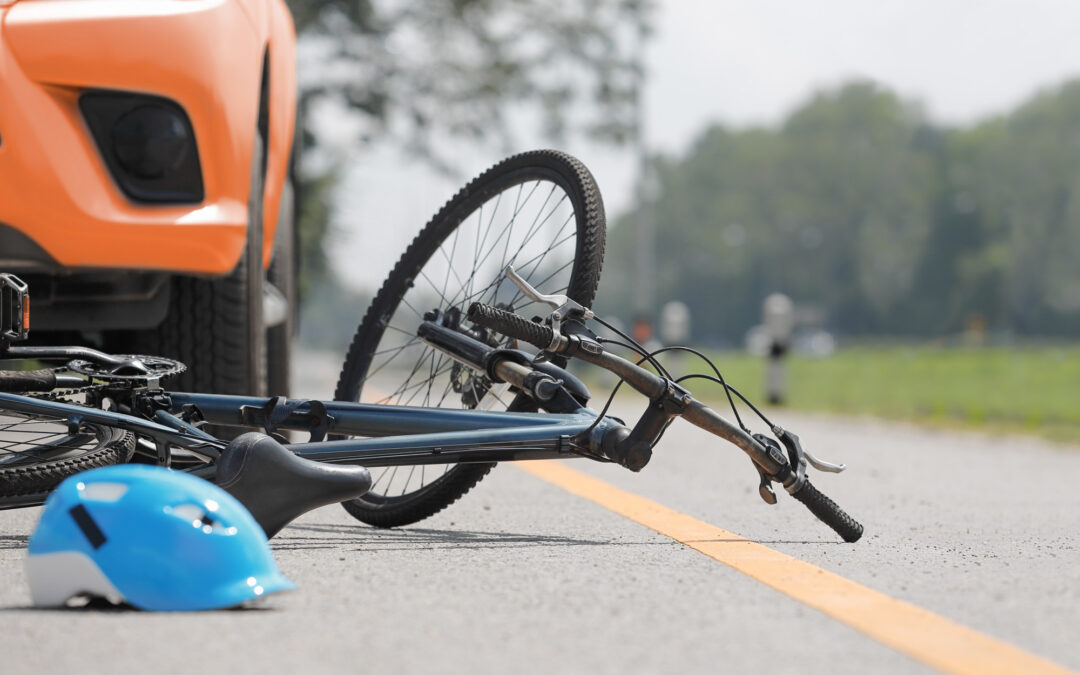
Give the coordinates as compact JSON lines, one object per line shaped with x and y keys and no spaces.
{"x":278,"y":486}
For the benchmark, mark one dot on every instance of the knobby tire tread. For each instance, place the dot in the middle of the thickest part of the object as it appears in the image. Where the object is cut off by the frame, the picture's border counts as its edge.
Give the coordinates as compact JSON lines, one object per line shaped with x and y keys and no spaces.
{"x":44,"y":476}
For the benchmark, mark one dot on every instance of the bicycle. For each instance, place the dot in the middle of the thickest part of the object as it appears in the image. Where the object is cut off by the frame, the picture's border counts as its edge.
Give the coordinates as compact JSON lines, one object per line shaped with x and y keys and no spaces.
{"x":455,"y":332}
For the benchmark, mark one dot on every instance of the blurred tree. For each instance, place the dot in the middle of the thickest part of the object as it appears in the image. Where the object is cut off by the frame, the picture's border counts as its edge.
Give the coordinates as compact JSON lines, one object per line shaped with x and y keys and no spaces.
{"x":417,"y":73}
{"x":858,"y":205}
{"x":831,"y":209}
{"x":1022,"y":171}
{"x":429,"y":66}
{"x":861,"y":178}
{"x":313,"y":218}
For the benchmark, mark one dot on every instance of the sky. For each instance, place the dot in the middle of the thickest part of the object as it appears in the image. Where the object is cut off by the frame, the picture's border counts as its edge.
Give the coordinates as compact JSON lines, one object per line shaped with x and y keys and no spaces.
{"x":750,"y":62}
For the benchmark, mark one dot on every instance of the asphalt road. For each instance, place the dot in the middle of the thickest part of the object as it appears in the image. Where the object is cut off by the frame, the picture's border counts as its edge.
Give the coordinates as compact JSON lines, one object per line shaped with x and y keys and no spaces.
{"x":522,"y":576}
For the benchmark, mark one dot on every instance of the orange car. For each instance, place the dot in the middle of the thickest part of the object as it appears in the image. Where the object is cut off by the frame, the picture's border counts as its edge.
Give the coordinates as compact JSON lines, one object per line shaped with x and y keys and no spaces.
{"x":145,"y":184}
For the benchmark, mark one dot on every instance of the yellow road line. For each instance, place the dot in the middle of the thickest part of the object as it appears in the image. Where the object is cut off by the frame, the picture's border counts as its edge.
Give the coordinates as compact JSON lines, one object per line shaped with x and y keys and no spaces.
{"x":922,"y":635}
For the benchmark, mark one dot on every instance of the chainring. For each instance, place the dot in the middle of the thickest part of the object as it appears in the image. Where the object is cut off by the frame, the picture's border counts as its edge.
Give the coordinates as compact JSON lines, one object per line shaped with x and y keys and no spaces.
{"x":159,"y":367}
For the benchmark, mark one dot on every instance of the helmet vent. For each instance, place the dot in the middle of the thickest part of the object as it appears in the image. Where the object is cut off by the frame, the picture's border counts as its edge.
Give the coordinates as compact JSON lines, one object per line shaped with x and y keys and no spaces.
{"x":201,"y":518}
{"x":102,"y":492}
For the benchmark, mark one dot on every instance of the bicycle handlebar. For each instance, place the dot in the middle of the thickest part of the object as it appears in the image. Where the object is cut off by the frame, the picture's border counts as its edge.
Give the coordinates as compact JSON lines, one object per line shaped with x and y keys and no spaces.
{"x":511,"y":325}
{"x":772,"y":462}
{"x":27,"y":380}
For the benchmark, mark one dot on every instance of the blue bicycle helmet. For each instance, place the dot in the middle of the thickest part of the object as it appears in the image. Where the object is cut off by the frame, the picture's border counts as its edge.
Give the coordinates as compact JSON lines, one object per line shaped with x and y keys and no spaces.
{"x":154,"y":538}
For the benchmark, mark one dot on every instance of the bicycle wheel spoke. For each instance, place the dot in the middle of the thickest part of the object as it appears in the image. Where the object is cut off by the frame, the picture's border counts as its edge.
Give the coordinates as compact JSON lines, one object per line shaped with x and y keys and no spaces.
{"x":63,"y":442}
{"x":418,"y":386}
{"x":378,"y":479}
{"x":431,"y":377}
{"x":405,"y":384}
{"x":481,"y":241}
{"x":480,"y":262}
{"x":538,"y":259}
{"x":522,"y":266}
{"x":38,"y":450}
{"x":446,"y":392}
{"x":532,"y":232}
{"x":393,"y":472}
{"x":408,"y":479}
{"x":385,"y":363}
{"x":450,"y":260}
{"x":415,"y":310}
{"x":38,"y":435}
{"x":435,"y":288}
{"x":410,"y":343}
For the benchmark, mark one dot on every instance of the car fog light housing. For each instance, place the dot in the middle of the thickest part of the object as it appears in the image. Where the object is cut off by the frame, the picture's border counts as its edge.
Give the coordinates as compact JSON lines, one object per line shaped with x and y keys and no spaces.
{"x":148,"y":145}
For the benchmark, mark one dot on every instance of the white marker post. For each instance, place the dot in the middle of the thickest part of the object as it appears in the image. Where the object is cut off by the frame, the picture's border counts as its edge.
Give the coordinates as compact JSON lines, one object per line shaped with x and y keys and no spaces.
{"x":779,"y":318}
{"x":674,"y":330}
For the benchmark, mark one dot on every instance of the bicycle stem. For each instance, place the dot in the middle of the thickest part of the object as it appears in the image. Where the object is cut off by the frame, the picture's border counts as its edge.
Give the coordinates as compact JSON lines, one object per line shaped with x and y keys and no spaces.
{"x":676,"y":402}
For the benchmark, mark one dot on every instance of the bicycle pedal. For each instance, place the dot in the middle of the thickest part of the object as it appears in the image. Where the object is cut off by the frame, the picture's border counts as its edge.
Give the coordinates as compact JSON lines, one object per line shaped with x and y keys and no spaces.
{"x":14,"y":309}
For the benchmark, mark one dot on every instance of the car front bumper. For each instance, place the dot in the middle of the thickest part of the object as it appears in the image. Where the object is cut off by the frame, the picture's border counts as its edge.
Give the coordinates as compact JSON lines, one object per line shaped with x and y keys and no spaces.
{"x":55,"y":188}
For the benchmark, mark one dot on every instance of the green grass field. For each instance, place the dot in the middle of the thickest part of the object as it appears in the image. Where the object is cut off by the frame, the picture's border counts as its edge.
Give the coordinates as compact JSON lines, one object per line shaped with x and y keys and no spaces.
{"x":1029,"y":390}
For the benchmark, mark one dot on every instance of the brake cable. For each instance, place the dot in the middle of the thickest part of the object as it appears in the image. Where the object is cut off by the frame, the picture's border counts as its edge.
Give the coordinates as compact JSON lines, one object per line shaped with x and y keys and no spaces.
{"x":710,"y":378}
{"x":719,"y":379}
{"x":650,"y":356}
{"x":637,"y":347}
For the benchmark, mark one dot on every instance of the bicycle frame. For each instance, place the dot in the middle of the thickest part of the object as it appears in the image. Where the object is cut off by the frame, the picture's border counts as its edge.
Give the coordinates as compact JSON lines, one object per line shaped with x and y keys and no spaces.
{"x":393,"y":435}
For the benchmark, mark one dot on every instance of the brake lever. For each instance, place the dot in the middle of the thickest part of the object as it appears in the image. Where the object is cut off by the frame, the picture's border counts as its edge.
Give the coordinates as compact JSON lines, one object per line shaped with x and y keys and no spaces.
{"x":822,"y":465}
{"x":799,"y":458}
{"x":555,"y":301}
{"x":564,"y":308}
{"x":817,"y":463}
{"x":558,"y":302}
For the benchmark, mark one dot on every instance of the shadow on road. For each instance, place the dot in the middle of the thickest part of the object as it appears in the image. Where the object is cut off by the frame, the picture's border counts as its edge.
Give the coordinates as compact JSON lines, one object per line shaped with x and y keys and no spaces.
{"x":12,"y":542}
{"x":304,"y":537}
{"x":103,"y":606}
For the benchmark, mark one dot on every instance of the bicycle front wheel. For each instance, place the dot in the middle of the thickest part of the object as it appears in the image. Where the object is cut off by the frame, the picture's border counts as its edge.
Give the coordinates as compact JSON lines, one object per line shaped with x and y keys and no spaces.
{"x":540,"y":212}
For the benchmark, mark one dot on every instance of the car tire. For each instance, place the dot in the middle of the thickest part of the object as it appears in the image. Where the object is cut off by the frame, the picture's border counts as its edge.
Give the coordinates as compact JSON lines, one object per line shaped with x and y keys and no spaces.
{"x":283,"y":276}
{"x":215,"y":326}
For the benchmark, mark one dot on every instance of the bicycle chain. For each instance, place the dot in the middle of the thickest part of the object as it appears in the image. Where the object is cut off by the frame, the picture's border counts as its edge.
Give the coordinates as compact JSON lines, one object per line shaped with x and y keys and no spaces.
{"x":63,"y":395}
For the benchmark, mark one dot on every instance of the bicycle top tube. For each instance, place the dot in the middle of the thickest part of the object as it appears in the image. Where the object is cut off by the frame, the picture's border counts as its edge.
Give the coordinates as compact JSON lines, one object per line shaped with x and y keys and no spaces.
{"x":362,"y":419}
{"x":560,"y":439}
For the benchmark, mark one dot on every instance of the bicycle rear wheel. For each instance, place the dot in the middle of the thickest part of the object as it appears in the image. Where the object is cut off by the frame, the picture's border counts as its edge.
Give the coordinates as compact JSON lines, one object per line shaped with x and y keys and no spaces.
{"x":39,"y":450}
{"x":540,"y":212}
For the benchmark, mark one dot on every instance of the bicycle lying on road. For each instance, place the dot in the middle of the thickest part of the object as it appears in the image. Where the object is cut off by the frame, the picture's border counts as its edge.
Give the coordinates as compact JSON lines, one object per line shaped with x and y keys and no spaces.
{"x":435,"y":388}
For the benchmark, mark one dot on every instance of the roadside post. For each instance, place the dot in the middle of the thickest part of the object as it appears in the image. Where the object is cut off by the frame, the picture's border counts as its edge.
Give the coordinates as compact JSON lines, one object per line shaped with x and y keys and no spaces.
{"x":674,"y":330}
{"x":778,"y":314}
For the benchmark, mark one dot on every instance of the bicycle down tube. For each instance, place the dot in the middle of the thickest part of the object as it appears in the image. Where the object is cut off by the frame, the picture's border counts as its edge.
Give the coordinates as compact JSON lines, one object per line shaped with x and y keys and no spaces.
{"x":394,"y":435}
{"x":398,"y":435}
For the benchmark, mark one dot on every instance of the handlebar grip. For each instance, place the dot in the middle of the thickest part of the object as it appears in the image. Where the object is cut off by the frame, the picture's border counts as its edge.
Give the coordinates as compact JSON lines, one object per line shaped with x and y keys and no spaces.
{"x":27,"y":380}
{"x":829,"y":513}
{"x":511,"y":325}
